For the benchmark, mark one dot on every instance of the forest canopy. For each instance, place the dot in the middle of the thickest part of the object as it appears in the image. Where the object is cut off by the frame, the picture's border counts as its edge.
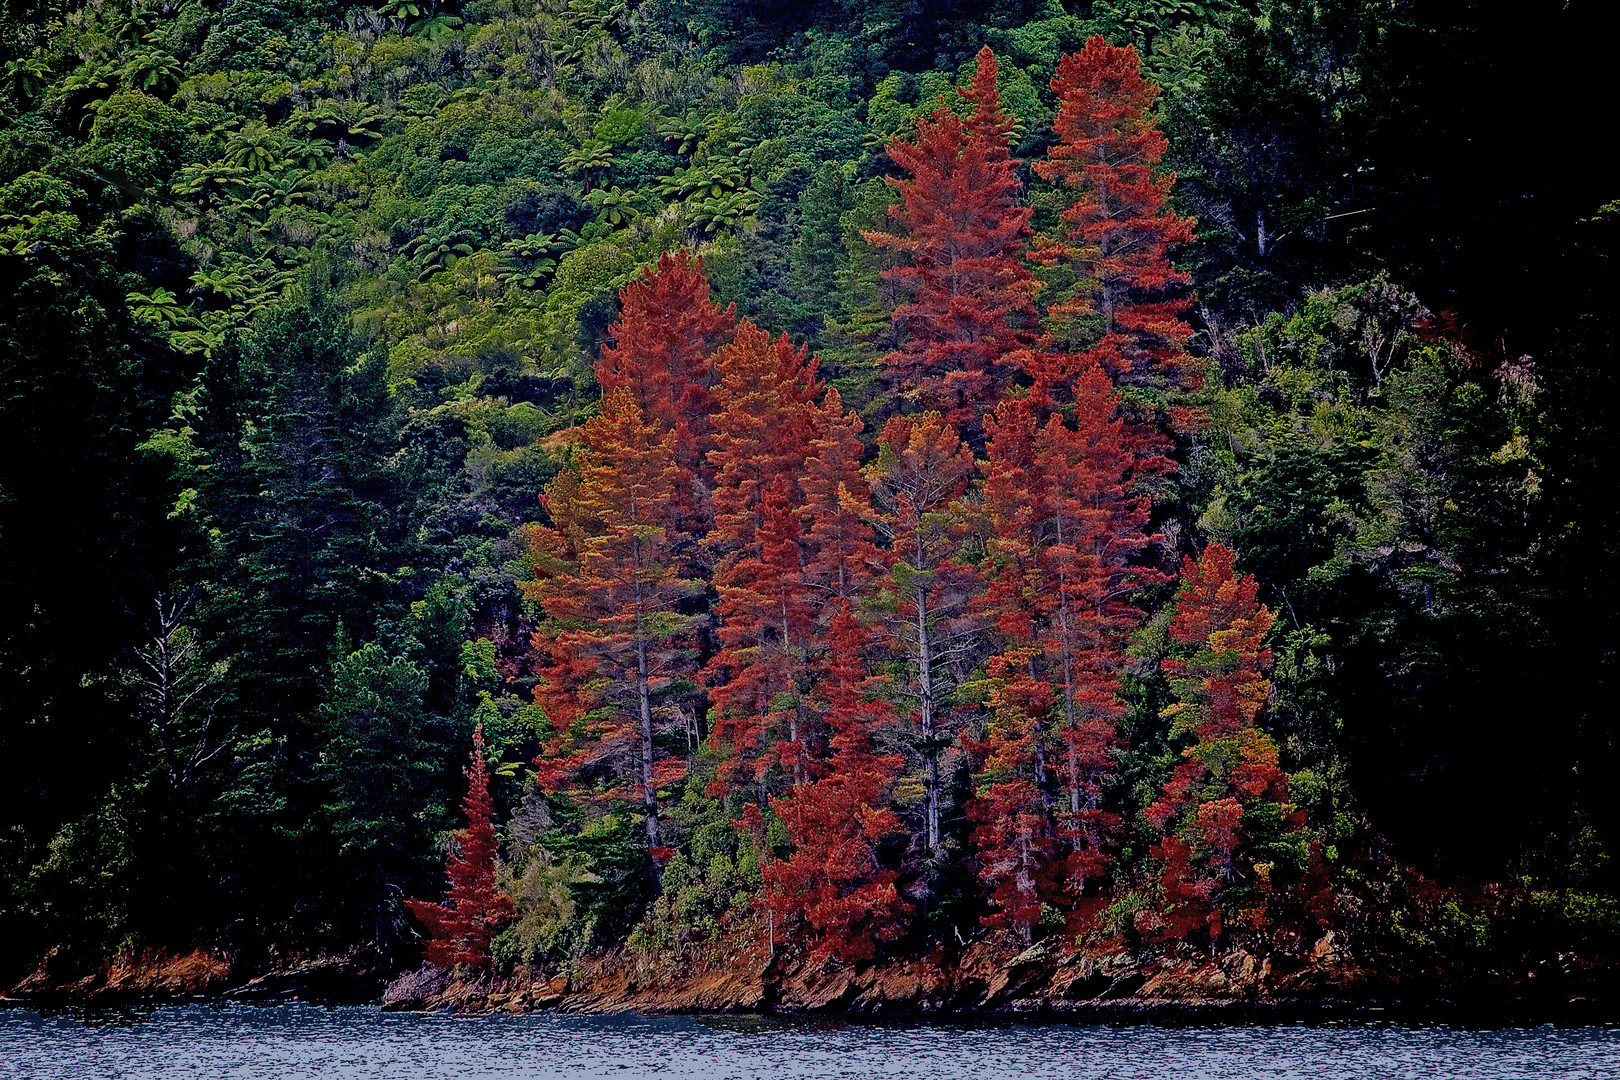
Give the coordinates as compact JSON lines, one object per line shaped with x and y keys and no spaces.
{"x":883,"y":471}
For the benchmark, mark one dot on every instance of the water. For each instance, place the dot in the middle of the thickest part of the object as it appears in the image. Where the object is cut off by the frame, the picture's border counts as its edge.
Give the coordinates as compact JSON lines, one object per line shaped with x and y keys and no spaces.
{"x":283,"y":1042}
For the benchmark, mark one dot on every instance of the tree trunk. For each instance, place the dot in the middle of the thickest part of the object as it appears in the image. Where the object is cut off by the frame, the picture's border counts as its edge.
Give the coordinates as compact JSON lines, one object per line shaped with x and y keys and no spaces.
{"x":649,"y":793}
{"x":925,"y":688}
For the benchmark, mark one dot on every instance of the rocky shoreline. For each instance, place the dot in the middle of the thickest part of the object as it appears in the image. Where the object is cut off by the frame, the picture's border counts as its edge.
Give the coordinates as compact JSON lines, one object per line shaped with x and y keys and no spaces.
{"x":986,"y":980}
{"x":66,"y":979}
{"x":983,"y":977}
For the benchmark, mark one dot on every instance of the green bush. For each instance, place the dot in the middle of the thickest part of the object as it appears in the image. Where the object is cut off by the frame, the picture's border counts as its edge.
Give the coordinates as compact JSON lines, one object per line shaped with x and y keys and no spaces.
{"x":138,"y":137}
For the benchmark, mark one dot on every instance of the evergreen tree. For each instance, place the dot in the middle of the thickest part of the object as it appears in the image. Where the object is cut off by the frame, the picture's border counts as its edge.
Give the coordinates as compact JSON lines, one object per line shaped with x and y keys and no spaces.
{"x":1089,"y":561}
{"x":762,"y":439}
{"x":378,"y":803}
{"x":836,"y":513}
{"x":1012,"y":805}
{"x":459,"y":931}
{"x":967,"y":306}
{"x":660,"y":351}
{"x":926,"y":597}
{"x":1224,"y":814}
{"x":1014,"y":834}
{"x":1115,"y":291}
{"x":616,"y":646}
{"x":833,"y":881}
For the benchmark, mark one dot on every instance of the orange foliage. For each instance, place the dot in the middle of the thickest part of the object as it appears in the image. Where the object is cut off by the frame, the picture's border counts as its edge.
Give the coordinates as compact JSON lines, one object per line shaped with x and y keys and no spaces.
{"x":1119,"y":298}
{"x":615,"y":637}
{"x":833,"y":882}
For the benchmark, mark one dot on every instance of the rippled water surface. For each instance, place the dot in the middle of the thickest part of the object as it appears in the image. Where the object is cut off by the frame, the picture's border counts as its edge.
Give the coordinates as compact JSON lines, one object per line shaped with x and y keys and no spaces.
{"x":286,"y":1041}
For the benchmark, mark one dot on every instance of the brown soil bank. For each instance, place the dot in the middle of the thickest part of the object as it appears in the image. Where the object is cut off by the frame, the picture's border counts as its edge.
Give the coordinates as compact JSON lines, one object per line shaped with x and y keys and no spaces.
{"x":986,"y":979}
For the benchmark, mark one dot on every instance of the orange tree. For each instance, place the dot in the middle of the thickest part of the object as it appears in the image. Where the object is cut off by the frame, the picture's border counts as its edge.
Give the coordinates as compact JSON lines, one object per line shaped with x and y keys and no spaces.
{"x":1111,"y":280}
{"x":616,"y":655}
{"x":967,"y":306}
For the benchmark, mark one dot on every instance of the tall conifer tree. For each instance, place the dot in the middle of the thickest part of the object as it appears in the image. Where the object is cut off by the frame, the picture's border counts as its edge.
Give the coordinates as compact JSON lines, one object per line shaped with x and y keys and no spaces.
{"x":763,"y":427}
{"x":1089,"y":563}
{"x":967,"y":307}
{"x":660,"y":351}
{"x":1229,"y":796}
{"x":1066,"y":538}
{"x":1012,"y":807}
{"x":927,"y":596}
{"x":833,"y":881}
{"x":616,"y":638}
{"x":1113,"y":291}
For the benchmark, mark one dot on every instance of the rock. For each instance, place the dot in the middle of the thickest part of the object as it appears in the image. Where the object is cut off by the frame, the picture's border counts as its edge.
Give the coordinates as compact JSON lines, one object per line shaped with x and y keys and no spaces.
{"x":415,"y":990}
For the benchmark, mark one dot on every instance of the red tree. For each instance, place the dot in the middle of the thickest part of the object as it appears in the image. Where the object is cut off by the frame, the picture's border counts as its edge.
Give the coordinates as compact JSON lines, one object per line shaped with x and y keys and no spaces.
{"x":1012,"y":805}
{"x":459,"y":931}
{"x":833,"y":882}
{"x":1065,"y":542}
{"x":1229,"y":783}
{"x":1014,"y":831}
{"x":835,"y":511}
{"x":1115,"y":283}
{"x":968,"y":296}
{"x":660,"y":352}
{"x":927,"y":596}
{"x":763,"y":427}
{"x":1089,"y":561}
{"x":615,"y":637}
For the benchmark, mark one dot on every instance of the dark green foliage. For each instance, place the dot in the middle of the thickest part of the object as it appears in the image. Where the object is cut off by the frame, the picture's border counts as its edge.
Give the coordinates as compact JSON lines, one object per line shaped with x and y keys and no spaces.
{"x":377,"y":771}
{"x":85,"y":534}
{"x":1577,"y":579}
{"x":136,"y":137}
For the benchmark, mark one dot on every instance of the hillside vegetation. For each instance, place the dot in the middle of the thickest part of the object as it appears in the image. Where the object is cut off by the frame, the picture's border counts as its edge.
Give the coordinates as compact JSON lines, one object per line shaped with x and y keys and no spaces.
{"x":872,"y":473}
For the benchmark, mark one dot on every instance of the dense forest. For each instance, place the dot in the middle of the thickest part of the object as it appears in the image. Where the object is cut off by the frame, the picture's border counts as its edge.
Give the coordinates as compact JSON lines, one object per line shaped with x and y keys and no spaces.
{"x":857,"y":475}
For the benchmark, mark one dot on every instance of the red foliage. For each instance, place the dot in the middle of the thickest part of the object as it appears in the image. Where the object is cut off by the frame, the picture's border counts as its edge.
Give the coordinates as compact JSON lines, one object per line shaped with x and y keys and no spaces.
{"x":1066,"y":535}
{"x":459,"y":931}
{"x":763,"y":427}
{"x":1224,"y":685}
{"x":836,"y":509}
{"x":1113,"y":247}
{"x":1094,"y":535}
{"x":968,"y":309}
{"x":1013,"y":835}
{"x":1011,"y":809}
{"x":615,"y":637}
{"x":833,"y":882}
{"x":660,"y":350}
{"x":1230,"y":769}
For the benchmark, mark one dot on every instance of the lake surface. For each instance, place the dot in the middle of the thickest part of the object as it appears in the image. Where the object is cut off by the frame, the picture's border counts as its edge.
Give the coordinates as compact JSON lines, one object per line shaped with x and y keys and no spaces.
{"x":282,"y":1042}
